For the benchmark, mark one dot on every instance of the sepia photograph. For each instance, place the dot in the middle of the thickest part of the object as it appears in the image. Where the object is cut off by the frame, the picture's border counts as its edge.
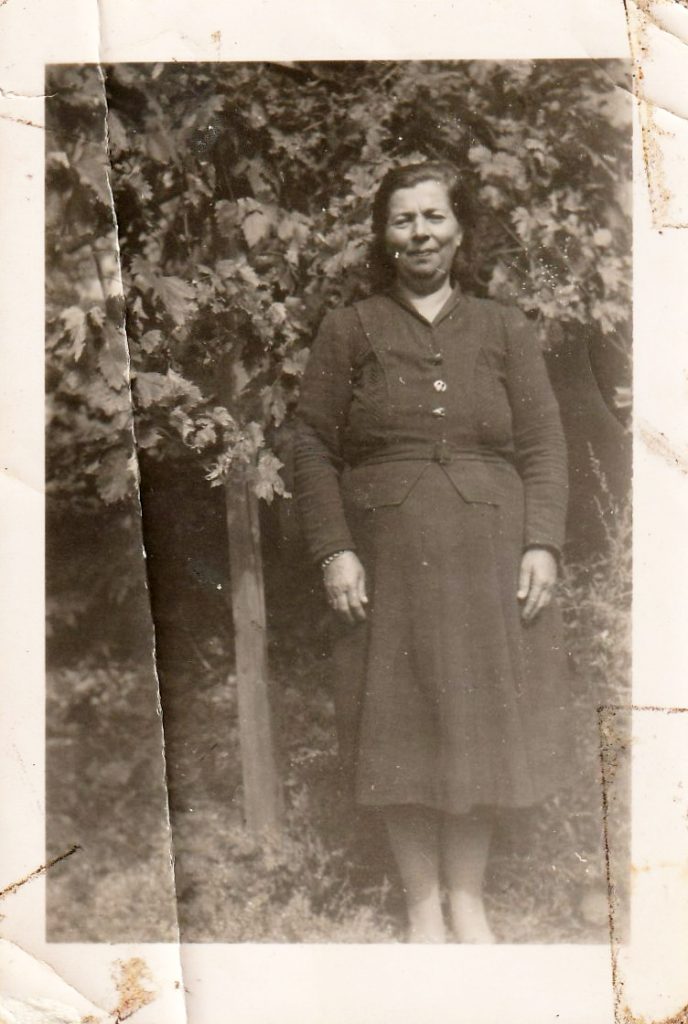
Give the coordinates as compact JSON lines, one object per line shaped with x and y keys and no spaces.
{"x":338,"y":511}
{"x":343,"y":406}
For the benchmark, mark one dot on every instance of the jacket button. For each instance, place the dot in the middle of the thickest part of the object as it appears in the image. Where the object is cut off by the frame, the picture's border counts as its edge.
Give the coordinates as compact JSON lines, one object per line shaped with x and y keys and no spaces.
{"x":439,"y":411}
{"x":440,"y":385}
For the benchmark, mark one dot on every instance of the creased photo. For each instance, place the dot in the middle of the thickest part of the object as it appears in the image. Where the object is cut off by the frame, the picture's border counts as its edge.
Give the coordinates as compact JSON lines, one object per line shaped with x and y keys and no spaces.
{"x":338,"y":571}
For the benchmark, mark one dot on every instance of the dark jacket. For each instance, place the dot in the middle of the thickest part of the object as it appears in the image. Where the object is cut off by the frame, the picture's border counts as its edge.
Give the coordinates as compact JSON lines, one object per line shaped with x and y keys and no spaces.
{"x":385,"y":392}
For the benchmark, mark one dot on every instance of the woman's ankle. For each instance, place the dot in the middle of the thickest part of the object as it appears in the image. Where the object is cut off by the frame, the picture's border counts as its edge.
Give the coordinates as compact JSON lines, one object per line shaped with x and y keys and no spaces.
{"x":469,"y":918}
{"x":426,"y":924}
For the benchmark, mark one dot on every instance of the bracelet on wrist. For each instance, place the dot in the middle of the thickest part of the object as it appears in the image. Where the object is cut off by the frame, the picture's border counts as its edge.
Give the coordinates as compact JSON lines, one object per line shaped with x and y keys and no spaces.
{"x":330,"y":558}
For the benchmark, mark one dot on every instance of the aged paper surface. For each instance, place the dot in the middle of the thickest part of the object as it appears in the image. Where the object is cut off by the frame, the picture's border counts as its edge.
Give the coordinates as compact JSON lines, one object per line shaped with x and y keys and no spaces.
{"x":643,"y":979}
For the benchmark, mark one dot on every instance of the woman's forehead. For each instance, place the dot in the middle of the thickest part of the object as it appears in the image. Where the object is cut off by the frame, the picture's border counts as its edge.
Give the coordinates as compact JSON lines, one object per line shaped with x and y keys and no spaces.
{"x":425,"y":194}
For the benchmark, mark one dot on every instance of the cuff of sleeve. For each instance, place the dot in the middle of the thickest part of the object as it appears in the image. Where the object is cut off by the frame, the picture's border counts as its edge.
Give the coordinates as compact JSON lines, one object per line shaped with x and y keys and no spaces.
{"x":545,"y":533}
{"x":553,"y":549}
{"x":343,"y":544}
{"x":328,"y":559}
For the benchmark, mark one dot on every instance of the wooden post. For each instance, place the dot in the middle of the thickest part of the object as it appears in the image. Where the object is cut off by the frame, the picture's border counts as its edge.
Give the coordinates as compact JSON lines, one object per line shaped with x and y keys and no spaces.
{"x":262,"y":786}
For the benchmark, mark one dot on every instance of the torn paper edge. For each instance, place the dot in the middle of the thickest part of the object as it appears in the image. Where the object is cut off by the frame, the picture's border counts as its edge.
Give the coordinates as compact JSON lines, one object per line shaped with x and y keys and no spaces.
{"x":312,"y":973}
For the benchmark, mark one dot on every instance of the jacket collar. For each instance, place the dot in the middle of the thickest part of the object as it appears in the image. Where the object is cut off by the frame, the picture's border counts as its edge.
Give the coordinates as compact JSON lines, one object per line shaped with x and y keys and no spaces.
{"x":454,"y":298}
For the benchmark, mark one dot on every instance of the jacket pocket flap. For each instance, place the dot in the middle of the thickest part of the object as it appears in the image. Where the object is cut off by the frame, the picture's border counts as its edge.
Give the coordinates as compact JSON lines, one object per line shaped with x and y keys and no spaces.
{"x":383,"y":483}
{"x":477,"y":481}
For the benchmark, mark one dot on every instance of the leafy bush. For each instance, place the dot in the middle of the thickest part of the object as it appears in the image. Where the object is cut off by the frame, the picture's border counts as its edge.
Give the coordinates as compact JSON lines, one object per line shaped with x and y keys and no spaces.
{"x":596,"y":600}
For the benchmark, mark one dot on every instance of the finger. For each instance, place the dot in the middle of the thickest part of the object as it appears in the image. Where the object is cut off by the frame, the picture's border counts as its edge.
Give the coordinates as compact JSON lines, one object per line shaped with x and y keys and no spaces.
{"x":532,"y":601}
{"x":335,"y":592}
{"x":524,"y":581}
{"x":541,"y":598}
{"x":362,"y":595}
{"x":341,"y":606}
{"x":338,"y":599}
{"x":355,"y":606}
{"x":543,"y":601}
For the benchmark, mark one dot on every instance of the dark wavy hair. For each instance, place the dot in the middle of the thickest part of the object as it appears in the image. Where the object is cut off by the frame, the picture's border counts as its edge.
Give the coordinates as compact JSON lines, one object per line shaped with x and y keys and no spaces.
{"x":379,"y":262}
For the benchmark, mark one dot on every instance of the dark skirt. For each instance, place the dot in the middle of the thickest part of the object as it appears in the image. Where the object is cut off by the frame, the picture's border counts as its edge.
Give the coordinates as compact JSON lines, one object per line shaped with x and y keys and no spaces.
{"x":444,"y":697}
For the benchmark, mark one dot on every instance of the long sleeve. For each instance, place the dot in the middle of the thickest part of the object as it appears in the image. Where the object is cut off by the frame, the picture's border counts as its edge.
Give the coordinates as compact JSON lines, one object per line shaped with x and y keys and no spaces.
{"x":539,"y":440}
{"x":321,"y":421}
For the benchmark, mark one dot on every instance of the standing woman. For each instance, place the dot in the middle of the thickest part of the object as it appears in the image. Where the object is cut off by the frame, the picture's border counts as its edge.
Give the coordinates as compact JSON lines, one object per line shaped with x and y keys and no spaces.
{"x":431,"y":478}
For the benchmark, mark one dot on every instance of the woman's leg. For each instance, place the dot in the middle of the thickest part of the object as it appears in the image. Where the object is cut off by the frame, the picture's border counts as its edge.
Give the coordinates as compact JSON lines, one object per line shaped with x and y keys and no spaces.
{"x":414,"y":835}
{"x":465,"y":843}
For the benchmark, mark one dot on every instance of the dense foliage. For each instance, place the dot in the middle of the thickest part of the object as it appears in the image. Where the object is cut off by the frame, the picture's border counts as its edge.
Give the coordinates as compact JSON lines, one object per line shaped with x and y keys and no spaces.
{"x":235,"y":198}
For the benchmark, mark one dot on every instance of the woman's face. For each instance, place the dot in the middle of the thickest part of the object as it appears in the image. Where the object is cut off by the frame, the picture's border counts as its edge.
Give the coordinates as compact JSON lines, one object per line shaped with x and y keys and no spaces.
{"x":422,"y":235}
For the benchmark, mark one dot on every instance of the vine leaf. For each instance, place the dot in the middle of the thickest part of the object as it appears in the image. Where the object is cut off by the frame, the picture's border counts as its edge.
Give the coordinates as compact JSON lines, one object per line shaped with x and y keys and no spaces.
{"x":74,"y":319}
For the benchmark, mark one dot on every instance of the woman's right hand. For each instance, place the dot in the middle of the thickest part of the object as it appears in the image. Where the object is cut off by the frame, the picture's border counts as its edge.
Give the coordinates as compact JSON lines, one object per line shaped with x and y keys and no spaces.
{"x":344,"y":580}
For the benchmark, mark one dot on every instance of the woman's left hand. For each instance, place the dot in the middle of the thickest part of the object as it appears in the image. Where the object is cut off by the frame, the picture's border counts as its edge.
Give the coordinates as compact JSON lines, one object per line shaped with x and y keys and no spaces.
{"x":536,"y":581}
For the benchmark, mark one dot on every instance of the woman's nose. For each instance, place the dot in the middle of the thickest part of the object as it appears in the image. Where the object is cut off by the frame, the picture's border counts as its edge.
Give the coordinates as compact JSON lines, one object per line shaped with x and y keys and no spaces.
{"x":420,"y":228}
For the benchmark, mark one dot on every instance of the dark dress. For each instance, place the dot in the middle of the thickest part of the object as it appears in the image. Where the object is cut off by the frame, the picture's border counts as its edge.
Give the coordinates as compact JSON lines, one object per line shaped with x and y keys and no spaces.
{"x":436,"y":452}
